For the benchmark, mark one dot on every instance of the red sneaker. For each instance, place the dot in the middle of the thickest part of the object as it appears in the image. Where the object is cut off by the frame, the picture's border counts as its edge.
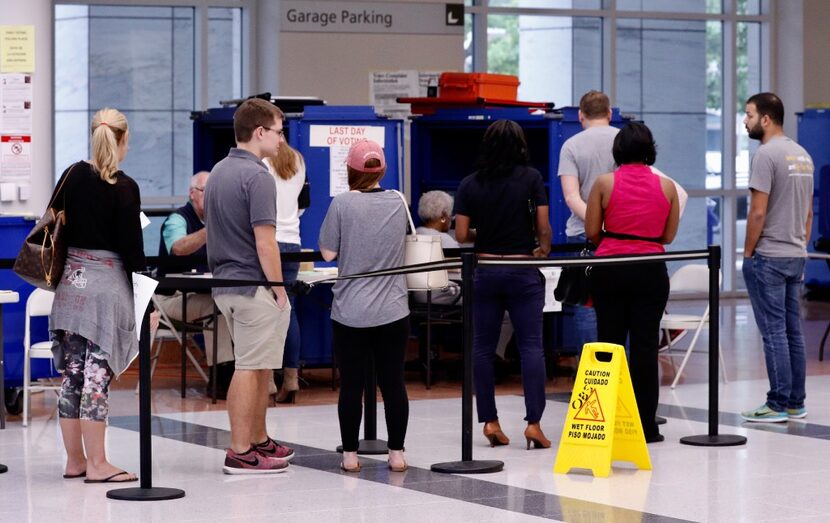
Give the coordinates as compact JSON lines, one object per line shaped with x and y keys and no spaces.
{"x":270,"y":448}
{"x":252,"y":462}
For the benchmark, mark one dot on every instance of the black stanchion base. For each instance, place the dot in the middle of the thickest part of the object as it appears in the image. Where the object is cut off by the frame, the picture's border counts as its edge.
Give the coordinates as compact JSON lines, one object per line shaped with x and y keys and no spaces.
{"x":660,"y":420}
{"x":468,"y":467}
{"x":3,"y":469}
{"x":145,"y":494}
{"x":718,"y":440}
{"x":369,"y":447}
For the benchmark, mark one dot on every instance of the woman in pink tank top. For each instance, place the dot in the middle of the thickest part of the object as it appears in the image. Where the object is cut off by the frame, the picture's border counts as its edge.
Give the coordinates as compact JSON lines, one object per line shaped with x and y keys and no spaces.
{"x":633,"y":211}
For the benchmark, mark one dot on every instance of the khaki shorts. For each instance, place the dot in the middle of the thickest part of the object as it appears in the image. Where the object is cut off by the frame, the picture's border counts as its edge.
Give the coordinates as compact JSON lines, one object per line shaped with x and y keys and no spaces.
{"x":258,"y":328}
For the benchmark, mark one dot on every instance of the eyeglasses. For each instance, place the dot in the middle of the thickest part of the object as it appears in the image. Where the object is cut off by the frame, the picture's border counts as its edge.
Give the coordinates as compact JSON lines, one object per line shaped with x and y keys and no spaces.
{"x":280,"y":132}
{"x":197,"y":188}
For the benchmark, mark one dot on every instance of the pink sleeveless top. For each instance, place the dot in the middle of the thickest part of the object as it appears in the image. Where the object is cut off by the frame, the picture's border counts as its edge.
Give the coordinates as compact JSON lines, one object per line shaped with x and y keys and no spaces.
{"x":637,"y":206}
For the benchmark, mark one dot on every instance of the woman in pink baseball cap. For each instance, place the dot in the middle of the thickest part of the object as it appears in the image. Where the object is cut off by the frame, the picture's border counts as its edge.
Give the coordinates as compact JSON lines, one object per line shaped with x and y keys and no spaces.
{"x":365,"y":229}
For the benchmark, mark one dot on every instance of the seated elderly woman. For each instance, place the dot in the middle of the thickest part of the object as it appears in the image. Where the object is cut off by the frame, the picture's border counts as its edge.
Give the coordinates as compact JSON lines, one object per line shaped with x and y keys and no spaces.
{"x":434,"y":209}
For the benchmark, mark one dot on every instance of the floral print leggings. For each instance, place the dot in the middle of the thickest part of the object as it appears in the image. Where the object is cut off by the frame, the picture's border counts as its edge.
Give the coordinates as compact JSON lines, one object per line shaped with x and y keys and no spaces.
{"x":86,"y":380}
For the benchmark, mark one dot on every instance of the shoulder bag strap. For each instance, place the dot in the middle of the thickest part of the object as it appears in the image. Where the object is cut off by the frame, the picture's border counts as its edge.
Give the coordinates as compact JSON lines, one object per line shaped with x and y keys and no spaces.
{"x":63,"y":182}
{"x":408,"y":214}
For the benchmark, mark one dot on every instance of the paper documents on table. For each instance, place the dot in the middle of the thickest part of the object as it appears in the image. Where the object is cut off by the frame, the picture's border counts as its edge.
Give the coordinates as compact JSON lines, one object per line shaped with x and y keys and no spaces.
{"x":143,"y":289}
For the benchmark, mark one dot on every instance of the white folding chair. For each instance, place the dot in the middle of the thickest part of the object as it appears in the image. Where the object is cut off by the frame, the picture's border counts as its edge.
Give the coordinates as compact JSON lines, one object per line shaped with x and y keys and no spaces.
{"x":693,"y":278}
{"x":166,"y":331}
{"x":38,"y":304}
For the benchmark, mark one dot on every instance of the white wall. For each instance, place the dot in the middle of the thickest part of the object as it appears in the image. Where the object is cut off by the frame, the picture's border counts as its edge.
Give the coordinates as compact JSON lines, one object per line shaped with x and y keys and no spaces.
{"x":336,"y":66}
{"x":39,"y":14}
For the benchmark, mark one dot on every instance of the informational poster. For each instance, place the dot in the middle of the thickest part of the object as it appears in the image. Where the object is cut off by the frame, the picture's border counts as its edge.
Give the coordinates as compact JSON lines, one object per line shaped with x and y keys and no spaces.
{"x":17,"y":49}
{"x":385,"y":87}
{"x":16,"y":103}
{"x":16,"y":158}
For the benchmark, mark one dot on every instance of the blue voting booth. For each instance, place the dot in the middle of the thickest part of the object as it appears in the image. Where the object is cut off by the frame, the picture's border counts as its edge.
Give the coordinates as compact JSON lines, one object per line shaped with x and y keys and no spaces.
{"x":445,"y":148}
{"x":13,"y":230}
{"x":322,"y":134}
{"x":814,"y":135}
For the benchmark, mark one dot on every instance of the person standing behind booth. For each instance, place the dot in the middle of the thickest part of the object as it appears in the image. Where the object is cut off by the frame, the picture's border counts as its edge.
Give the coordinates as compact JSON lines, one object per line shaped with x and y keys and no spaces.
{"x":584,"y":157}
{"x":183,"y":233}
{"x":633,"y":211}
{"x":777,"y":230}
{"x":365,"y":229}
{"x":506,"y":202}
{"x":92,"y":322}
{"x":288,"y":169}
{"x":241,"y":217}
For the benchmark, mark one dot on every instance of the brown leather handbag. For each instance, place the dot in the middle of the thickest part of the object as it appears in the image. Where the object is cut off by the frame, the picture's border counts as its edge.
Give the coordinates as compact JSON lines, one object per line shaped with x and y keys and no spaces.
{"x":43,"y":254}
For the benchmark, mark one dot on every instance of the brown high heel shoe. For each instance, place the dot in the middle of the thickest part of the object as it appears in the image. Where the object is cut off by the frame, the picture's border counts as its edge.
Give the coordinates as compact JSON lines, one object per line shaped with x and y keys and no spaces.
{"x":534,"y":434}
{"x":493,"y":433}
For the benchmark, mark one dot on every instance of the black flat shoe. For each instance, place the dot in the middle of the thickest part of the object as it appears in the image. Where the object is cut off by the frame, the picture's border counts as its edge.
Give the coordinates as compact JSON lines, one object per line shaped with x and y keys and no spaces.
{"x":657,"y":438}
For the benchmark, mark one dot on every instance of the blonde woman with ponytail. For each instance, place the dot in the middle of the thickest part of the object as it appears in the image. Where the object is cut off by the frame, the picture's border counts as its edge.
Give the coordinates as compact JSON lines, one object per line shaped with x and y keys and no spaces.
{"x":92,"y":320}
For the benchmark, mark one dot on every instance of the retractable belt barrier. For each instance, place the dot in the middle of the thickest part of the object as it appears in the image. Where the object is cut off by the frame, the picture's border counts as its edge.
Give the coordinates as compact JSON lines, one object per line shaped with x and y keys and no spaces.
{"x":467,"y":263}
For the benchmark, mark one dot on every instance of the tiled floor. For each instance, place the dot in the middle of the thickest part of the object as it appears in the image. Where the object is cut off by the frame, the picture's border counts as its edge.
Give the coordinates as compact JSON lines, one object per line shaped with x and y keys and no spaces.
{"x":778,"y":475}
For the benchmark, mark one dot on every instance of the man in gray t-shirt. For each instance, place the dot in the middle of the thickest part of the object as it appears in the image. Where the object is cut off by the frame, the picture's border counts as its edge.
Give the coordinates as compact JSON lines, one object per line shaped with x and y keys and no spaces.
{"x":583,"y":158}
{"x":240,"y":218}
{"x":777,"y":230}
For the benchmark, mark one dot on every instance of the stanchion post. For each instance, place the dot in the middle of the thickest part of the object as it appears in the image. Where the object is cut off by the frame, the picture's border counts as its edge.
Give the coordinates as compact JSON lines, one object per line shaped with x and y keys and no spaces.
{"x":713,"y":439}
{"x":467,"y":465}
{"x":146,"y":492}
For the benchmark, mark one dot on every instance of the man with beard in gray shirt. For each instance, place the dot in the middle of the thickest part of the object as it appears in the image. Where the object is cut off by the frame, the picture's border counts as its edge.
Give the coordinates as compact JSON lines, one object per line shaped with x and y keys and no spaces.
{"x":777,"y":230}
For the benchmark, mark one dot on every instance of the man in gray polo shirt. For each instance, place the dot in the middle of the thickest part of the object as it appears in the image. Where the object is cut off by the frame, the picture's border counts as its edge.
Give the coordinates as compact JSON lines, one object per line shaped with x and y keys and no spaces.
{"x":584,"y":157}
{"x":777,"y":230}
{"x":240,"y":218}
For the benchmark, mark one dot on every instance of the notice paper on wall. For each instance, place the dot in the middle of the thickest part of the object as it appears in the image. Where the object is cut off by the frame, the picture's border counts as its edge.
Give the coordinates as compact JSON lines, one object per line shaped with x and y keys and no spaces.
{"x":16,"y":159}
{"x":338,"y":176}
{"x":17,"y":48}
{"x":385,"y":87}
{"x":16,"y":103}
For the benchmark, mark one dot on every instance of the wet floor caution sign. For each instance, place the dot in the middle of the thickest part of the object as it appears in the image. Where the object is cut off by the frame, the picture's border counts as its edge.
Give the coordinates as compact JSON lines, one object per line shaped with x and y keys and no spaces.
{"x":603,"y":423}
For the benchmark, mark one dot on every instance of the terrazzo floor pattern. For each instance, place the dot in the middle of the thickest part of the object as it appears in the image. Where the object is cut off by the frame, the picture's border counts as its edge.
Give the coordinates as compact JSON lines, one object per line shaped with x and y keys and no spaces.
{"x":779,"y":475}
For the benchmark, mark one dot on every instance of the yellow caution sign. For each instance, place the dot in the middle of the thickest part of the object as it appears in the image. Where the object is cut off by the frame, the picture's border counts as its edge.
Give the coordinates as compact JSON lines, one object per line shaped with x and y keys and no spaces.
{"x":603,"y":423}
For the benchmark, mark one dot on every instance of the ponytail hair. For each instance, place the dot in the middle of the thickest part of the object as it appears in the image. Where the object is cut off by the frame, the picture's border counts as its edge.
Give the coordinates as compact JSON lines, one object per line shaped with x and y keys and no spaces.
{"x":287,"y":162}
{"x":109,"y":128}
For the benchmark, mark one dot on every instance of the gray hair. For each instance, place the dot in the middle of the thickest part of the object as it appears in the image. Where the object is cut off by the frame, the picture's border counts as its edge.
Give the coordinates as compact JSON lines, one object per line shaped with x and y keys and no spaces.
{"x":433,"y":205}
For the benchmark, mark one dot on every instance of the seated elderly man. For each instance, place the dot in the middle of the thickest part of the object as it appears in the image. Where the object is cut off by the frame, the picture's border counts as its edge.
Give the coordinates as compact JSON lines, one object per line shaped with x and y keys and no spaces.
{"x":183,"y":233}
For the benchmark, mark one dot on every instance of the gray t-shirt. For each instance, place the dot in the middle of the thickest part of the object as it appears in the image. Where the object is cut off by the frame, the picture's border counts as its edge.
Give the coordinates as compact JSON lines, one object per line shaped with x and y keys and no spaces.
{"x":367,"y":232}
{"x":240,"y":194}
{"x":587,"y":155}
{"x":784,"y":170}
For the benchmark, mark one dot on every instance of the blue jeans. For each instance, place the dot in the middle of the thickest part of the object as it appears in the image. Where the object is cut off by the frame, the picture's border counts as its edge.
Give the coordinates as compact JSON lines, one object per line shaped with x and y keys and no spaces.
{"x":521,"y":292}
{"x":774,"y":285}
{"x":291,"y":353}
{"x":585,"y":318}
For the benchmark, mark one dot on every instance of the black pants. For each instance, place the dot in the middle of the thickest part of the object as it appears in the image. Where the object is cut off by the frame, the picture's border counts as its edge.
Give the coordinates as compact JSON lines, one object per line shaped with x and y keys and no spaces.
{"x":630,"y":301}
{"x":353,"y":348}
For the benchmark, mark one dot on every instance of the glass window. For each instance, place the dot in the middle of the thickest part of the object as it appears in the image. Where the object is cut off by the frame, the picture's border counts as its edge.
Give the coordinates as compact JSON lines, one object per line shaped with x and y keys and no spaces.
{"x":748,"y":82}
{"x":661,"y":77}
{"x":750,"y":7}
{"x":556,"y":59}
{"x":224,"y":54}
{"x":671,"y":6}
{"x":549,"y":4}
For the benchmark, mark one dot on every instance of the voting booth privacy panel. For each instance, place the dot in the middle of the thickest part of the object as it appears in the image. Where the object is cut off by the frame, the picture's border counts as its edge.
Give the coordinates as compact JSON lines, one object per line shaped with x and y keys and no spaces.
{"x":814,"y":135}
{"x":323,"y":135}
{"x":445,"y":149}
{"x":13,"y":230}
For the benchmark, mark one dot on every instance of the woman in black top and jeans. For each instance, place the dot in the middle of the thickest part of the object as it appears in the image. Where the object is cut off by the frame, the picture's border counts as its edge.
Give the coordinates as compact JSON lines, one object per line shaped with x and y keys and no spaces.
{"x":92,"y":320}
{"x":506,"y":203}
